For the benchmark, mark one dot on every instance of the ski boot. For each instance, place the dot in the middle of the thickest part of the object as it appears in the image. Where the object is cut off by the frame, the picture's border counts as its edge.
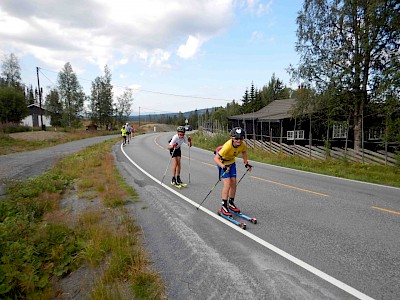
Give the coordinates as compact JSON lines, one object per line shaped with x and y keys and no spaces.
{"x":224,"y":209}
{"x":179,"y":181}
{"x":232,"y":206}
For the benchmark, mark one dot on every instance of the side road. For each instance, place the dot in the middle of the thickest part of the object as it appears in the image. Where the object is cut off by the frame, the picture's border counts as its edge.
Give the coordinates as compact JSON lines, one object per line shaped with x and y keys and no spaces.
{"x":23,"y":165}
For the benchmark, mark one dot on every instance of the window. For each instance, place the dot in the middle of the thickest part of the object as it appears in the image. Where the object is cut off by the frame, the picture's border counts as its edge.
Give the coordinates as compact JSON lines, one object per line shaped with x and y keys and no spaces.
{"x":296,"y":134}
{"x":299,"y":134}
{"x":339,"y":131}
{"x":375,"y":134}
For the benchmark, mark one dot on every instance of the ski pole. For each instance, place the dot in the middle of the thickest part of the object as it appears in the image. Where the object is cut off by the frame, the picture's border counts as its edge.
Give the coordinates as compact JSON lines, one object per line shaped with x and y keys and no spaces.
{"x":189,"y":164}
{"x":242,"y":177}
{"x":219,"y":179}
{"x":168,"y":165}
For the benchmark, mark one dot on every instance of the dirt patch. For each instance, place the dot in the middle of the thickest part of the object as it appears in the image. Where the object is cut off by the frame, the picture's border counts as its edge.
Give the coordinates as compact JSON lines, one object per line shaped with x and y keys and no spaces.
{"x":38,"y":135}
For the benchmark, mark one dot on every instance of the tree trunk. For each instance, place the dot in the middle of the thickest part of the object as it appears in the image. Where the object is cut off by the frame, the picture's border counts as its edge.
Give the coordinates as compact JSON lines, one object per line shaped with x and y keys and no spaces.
{"x":357,"y":132}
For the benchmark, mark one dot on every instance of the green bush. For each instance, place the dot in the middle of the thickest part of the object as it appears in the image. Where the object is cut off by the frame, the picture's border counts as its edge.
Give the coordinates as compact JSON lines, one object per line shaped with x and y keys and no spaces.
{"x":31,"y":250}
{"x":13,"y":127}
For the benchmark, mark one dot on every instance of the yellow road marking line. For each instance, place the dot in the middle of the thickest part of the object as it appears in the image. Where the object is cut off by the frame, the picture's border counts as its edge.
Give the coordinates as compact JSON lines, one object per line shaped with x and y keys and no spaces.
{"x":207,"y":164}
{"x":290,"y":186}
{"x":386,"y":210}
{"x":156,"y":142}
{"x":262,"y":179}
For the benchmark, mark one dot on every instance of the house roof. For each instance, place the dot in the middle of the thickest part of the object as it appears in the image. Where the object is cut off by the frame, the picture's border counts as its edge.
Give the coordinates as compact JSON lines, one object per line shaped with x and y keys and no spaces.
{"x":36,"y":108}
{"x":275,"y":111}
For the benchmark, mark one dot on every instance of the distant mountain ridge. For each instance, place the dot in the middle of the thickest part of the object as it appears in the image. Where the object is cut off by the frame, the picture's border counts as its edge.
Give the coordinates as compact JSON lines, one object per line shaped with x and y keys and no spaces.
{"x":153,"y":116}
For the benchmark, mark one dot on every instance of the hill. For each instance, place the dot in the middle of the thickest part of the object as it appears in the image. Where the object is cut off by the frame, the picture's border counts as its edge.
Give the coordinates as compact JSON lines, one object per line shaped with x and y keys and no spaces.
{"x":153,"y":116}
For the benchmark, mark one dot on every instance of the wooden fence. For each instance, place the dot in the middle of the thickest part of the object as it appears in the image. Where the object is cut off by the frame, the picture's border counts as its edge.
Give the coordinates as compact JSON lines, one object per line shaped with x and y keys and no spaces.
{"x":318,"y":152}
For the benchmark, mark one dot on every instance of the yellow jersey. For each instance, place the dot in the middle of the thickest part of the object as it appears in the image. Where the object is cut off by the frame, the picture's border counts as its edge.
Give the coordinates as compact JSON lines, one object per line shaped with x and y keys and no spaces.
{"x":228,"y":152}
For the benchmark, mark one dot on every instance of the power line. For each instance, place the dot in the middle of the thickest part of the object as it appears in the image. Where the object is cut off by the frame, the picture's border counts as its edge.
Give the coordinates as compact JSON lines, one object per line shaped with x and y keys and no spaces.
{"x":156,"y":92}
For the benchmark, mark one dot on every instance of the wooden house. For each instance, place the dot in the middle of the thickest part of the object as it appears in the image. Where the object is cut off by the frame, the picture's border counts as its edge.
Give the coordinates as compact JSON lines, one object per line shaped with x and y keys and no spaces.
{"x":36,"y":114}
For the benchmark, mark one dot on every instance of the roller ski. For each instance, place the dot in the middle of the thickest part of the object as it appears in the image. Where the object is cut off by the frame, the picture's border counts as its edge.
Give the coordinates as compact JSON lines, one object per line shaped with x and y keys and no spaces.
{"x":227,"y":215}
{"x":175,"y":184}
{"x":179,"y":181}
{"x":236,"y":211}
{"x":232,"y":220}
{"x":243,"y":216}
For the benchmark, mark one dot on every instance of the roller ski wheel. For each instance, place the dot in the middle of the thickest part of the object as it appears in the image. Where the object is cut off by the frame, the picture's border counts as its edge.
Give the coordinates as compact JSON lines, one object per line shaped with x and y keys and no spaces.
{"x":178,"y":186}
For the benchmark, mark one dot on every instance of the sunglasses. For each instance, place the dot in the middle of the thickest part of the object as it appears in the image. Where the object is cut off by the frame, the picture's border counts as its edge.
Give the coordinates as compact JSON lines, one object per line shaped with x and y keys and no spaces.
{"x":238,"y":139}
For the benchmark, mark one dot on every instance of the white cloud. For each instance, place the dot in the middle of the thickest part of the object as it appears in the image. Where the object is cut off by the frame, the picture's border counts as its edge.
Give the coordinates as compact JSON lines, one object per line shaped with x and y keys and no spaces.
{"x":103,"y":32}
{"x":258,"y":7}
{"x":190,"y":48}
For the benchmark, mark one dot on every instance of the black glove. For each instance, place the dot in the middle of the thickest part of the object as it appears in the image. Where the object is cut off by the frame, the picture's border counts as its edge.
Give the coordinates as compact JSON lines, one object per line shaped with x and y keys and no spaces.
{"x":225,"y":168}
{"x":247,"y":166}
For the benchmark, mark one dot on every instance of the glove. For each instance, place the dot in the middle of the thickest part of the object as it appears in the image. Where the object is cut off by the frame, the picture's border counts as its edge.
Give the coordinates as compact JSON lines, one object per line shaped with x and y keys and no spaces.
{"x":175,"y":145}
{"x":247,"y":166}
{"x":189,"y":139}
{"x":225,"y":168}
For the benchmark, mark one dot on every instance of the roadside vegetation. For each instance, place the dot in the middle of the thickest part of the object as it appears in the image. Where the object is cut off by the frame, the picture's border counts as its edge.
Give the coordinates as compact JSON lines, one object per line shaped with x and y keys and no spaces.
{"x":345,"y":169}
{"x":75,"y":217}
{"x":16,"y":139}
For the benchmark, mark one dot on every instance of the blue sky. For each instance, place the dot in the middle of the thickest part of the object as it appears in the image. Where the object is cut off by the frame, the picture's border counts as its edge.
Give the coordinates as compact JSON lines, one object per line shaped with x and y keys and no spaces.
{"x":176,"y":55}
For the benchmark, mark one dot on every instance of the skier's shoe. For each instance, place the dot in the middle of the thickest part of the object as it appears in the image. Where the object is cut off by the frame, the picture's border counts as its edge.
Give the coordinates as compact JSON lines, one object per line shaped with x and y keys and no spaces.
{"x":224,"y":211}
{"x":233,"y":207}
{"x":178,"y":180}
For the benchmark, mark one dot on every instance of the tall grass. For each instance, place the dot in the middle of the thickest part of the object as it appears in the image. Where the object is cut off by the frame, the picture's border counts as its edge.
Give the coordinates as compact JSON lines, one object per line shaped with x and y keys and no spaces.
{"x":41,"y":241}
{"x":385,"y":175}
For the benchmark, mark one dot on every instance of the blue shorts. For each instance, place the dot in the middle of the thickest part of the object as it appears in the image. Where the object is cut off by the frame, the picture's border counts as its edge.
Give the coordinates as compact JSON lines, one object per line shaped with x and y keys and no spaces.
{"x":230,"y":174}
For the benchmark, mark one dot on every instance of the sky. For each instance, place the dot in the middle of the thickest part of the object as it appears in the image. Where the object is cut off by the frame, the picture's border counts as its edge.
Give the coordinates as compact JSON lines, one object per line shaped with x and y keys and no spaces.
{"x":175,"y":55}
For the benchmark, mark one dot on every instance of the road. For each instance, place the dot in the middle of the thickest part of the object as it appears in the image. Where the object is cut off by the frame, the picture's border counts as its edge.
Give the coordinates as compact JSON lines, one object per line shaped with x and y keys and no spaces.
{"x":317,"y":237}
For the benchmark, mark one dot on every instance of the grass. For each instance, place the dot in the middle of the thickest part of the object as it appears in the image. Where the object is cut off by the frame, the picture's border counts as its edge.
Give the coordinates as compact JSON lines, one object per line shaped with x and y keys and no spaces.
{"x":41,"y":241}
{"x":384,"y":175}
{"x":10,"y":145}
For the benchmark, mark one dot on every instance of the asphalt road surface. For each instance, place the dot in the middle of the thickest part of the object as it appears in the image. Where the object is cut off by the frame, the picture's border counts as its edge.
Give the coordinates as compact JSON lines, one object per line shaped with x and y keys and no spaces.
{"x":317,"y":237}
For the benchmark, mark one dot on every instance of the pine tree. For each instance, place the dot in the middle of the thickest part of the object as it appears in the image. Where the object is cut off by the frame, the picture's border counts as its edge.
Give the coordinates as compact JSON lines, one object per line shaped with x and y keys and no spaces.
{"x":71,"y":95}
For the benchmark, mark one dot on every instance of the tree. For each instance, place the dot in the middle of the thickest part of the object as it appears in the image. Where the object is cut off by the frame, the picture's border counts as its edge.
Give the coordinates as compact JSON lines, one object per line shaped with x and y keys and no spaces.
{"x":102,"y":99}
{"x":55,"y":107}
{"x":11,"y":71}
{"x":12,"y":105}
{"x":71,"y":95}
{"x":123,"y":107}
{"x":274,"y":90}
{"x":194,"y":119}
{"x":350,"y":46}
{"x":30,"y":95}
{"x":246,"y":100}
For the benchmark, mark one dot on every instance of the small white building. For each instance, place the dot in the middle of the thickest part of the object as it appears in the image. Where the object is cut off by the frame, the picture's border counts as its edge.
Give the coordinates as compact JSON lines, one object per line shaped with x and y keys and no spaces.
{"x":34,"y":120}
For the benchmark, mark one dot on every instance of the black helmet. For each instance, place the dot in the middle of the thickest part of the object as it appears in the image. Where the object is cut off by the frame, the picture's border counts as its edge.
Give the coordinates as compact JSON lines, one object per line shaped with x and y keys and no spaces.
{"x":181,"y":129}
{"x":237,"y":133}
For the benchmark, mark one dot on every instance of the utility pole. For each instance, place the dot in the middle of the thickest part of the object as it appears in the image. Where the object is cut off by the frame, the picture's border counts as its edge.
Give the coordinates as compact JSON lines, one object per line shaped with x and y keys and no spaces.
{"x":139,"y":117}
{"x":40,"y":99}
